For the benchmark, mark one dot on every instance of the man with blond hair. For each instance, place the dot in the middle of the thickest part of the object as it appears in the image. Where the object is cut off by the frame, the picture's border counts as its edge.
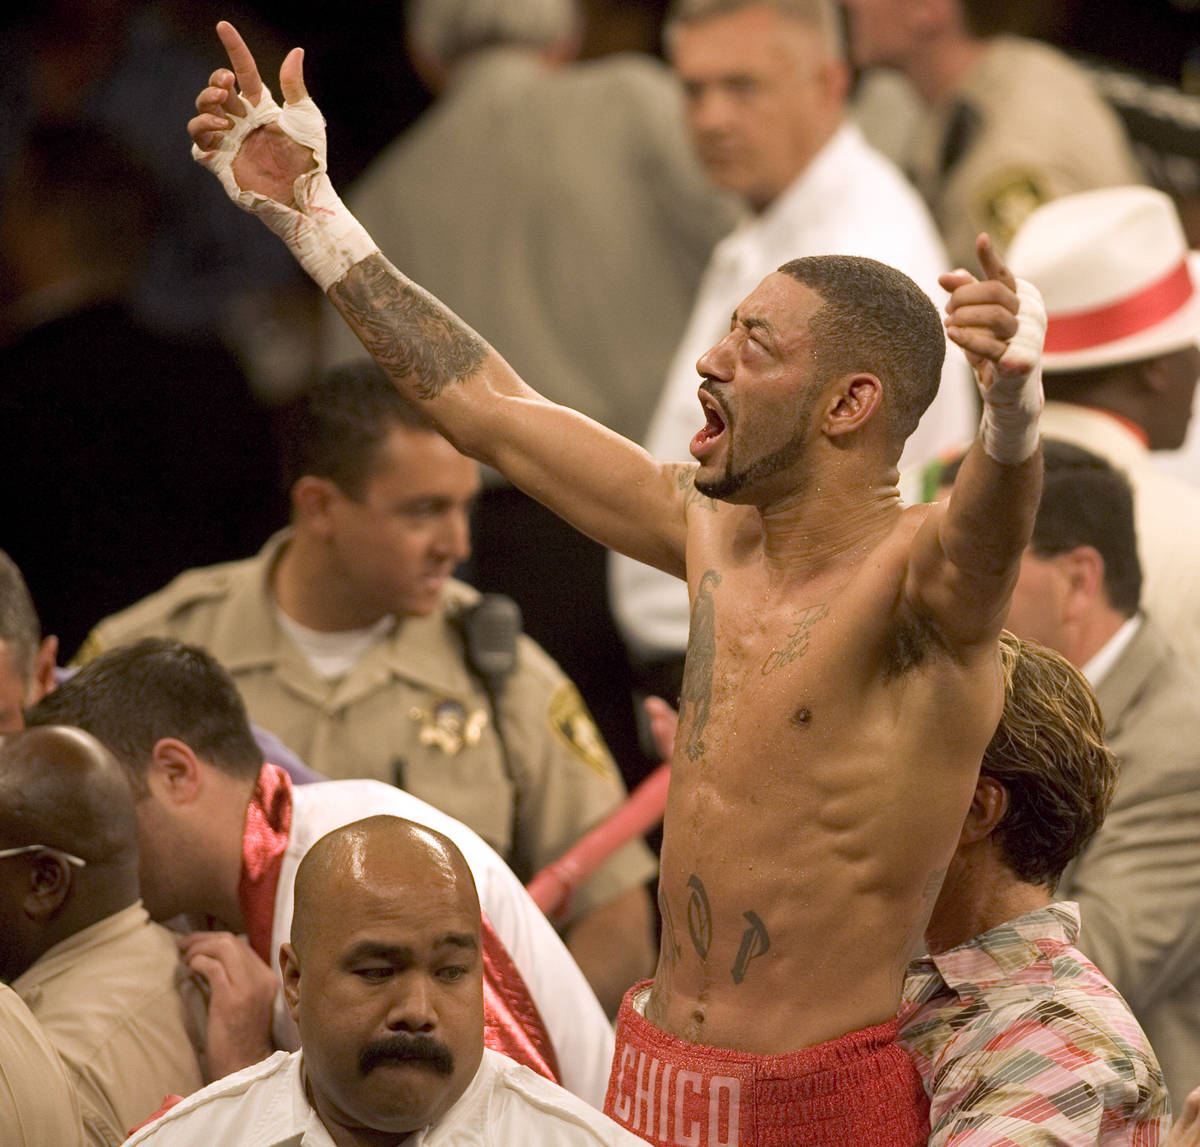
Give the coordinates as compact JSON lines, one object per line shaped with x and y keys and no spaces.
{"x":1019,"y":1038}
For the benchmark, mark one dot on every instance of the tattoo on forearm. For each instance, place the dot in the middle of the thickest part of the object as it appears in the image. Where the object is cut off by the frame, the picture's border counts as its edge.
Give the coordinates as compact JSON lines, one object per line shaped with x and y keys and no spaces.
{"x":409,"y":333}
{"x":755,"y":942}
{"x":685,"y":474}
{"x":796,"y":644}
{"x":699,"y":916}
{"x":695,"y":696}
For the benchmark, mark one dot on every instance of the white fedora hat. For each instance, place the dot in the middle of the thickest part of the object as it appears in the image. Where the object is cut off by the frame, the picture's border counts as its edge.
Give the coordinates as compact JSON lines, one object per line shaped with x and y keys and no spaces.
{"x":1114,"y":270}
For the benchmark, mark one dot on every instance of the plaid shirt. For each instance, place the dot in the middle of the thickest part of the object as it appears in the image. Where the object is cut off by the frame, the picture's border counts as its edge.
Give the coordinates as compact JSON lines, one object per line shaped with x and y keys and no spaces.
{"x":1022,"y":1042}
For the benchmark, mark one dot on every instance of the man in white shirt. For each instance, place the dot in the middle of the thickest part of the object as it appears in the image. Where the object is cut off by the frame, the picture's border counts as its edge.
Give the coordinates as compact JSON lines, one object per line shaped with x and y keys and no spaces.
{"x":765,"y":84}
{"x":383,"y":975}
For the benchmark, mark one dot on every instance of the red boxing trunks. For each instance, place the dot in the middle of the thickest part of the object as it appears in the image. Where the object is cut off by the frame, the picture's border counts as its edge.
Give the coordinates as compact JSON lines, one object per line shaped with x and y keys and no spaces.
{"x":858,"y":1090}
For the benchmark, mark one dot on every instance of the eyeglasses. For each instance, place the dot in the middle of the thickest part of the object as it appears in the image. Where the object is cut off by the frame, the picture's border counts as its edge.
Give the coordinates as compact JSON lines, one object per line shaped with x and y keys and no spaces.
{"x":78,"y":861}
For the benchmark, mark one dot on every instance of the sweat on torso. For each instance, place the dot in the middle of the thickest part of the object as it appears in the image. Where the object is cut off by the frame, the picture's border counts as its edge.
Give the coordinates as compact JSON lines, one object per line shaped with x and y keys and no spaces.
{"x":828,"y":747}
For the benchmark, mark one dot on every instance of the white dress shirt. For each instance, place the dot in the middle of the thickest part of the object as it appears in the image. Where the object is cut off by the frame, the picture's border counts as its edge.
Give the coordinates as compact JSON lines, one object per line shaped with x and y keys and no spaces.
{"x":505,"y":1104}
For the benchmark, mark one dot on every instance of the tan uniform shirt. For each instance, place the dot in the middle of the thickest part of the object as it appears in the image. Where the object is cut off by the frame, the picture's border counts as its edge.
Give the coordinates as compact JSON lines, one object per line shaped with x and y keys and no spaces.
{"x":38,"y":1107}
{"x":119,"y":1007}
{"x":411,"y":713}
{"x":1026,"y":126}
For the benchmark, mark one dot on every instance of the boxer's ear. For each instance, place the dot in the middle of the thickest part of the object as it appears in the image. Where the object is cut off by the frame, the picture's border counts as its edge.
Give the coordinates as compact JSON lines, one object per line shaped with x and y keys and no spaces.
{"x":855,"y":402}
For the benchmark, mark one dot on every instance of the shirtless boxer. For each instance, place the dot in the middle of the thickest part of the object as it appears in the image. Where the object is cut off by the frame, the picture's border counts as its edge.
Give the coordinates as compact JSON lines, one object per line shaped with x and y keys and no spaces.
{"x":843,"y":677}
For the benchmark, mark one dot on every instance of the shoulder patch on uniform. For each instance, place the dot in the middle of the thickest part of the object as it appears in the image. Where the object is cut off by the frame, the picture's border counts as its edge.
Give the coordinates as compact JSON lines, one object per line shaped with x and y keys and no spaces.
{"x":1004,"y":201}
{"x":573,"y":725}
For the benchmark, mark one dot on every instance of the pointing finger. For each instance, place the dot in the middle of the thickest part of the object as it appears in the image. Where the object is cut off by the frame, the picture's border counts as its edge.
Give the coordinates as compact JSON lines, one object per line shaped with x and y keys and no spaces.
{"x":989,"y":259}
{"x":242,"y":61}
{"x":291,"y":77}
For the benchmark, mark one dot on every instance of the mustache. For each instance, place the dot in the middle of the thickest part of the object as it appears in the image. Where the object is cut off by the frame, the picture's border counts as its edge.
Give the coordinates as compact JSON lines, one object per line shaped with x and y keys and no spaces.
{"x":405,"y":1048}
{"x":710,"y":386}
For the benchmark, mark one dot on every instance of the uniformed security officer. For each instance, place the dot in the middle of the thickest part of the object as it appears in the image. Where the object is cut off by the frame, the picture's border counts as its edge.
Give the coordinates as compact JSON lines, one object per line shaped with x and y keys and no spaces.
{"x":349,"y":640}
{"x":1009,"y":123}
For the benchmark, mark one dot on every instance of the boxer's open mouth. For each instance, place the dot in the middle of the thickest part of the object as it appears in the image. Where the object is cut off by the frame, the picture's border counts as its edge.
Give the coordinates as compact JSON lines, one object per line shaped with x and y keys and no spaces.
{"x":713,"y":427}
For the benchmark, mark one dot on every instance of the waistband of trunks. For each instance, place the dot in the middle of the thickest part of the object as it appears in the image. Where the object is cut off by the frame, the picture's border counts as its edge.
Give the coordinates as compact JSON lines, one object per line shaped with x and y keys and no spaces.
{"x":858,"y":1088}
{"x":851,"y":1048}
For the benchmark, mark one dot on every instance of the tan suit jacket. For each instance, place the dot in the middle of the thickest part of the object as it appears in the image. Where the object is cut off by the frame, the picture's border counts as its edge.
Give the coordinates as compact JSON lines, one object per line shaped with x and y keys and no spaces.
{"x":1138,"y":882}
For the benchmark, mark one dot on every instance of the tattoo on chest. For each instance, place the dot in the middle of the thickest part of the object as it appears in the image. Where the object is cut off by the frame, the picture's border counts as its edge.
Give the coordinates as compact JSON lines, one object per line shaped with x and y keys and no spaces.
{"x":755,"y":942}
{"x":796,"y":644}
{"x":699,"y":916}
{"x":695,"y":696}
{"x":406,"y":329}
{"x":684,"y":479}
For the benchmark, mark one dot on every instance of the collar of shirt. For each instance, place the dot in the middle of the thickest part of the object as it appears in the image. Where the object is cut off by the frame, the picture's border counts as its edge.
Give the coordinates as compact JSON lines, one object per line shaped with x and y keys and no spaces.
{"x":1103,"y":432}
{"x":248,"y":637}
{"x":67,"y":953}
{"x":760,"y":239}
{"x":994,"y":956}
{"x":1101,"y":662}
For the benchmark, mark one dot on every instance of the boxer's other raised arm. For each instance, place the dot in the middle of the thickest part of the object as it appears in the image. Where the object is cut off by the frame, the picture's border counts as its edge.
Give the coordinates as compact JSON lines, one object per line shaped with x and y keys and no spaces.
{"x":271,"y":162}
{"x":966,"y":556}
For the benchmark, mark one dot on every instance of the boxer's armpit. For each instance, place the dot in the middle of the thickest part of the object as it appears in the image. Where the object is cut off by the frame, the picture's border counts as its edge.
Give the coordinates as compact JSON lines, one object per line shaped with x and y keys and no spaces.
{"x":408,"y":332}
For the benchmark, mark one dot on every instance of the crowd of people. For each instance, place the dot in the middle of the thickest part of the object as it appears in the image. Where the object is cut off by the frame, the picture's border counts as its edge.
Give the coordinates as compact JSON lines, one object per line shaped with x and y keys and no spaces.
{"x":635,"y":413}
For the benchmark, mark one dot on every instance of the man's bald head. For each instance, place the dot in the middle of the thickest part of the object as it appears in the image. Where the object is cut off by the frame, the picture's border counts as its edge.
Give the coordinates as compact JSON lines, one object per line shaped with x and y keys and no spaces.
{"x":384,"y":975}
{"x":59,"y":786}
{"x":61,"y":789}
{"x":379,"y":848}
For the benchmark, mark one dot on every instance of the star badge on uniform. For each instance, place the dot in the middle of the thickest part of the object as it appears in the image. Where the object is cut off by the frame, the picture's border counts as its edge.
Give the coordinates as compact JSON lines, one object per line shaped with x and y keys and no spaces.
{"x":447,"y":725}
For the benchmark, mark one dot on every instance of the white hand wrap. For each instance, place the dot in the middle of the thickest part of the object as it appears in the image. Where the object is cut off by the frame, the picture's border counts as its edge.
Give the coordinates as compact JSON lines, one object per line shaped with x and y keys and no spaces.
{"x":1013,"y":401}
{"x":320,"y":231}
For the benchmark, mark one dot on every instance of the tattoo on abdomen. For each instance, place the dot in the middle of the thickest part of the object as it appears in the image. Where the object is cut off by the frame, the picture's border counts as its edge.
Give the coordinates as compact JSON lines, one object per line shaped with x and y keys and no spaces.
{"x":698,"y":669}
{"x":699,"y":917}
{"x":755,"y":942}
{"x":409,"y":333}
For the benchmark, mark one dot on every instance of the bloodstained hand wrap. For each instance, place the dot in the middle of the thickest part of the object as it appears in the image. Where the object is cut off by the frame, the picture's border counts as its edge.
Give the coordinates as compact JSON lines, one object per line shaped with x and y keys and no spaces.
{"x":320,"y":230}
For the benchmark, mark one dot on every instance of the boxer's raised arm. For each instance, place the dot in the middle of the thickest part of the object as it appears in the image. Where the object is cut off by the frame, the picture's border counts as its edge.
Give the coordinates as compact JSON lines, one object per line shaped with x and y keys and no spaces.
{"x":966,"y":556}
{"x":271,"y":161}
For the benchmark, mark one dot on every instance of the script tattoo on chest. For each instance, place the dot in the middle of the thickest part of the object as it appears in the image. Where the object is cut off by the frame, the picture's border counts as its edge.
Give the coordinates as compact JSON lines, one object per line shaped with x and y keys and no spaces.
{"x":795,"y":645}
{"x":684,"y":479}
{"x":406,"y":329}
{"x":696,"y":692}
